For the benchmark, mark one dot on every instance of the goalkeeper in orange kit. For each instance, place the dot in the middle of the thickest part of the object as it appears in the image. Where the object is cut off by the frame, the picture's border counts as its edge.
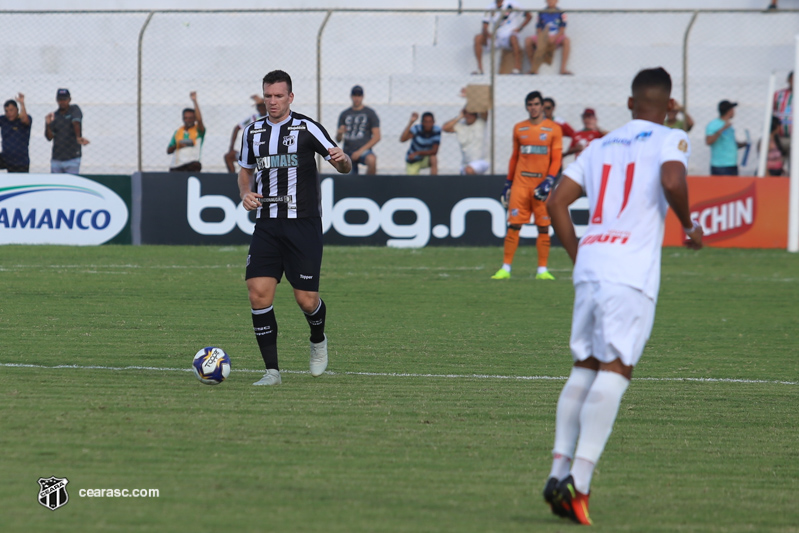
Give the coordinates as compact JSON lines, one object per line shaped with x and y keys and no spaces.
{"x":536,"y":158}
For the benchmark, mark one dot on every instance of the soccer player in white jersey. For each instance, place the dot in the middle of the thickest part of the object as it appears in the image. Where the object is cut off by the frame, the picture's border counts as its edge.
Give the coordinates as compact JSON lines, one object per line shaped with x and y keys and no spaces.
{"x":631,"y":177}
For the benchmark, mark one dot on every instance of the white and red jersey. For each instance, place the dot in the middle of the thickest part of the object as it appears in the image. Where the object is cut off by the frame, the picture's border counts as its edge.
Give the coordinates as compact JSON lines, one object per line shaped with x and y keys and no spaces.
{"x":620,"y":174}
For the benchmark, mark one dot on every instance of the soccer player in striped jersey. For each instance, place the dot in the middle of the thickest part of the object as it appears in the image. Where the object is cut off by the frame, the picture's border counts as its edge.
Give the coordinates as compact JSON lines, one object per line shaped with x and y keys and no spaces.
{"x":278,"y":179}
{"x":630,"y":176}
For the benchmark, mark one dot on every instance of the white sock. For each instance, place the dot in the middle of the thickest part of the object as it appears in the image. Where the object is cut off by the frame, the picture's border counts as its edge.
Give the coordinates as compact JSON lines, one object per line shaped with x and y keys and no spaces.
{"x":541,"y":270}
{"x":596,"y":423}
{"x":567,"y":421}
{"x":506,"y":267}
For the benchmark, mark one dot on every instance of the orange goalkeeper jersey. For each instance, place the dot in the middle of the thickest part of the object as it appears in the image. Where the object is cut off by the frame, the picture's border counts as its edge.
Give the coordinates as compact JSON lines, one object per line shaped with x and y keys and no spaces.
{"x":537,"y":151}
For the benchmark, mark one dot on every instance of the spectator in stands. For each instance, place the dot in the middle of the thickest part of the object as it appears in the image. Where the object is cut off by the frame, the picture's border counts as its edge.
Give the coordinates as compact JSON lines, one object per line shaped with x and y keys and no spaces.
{"x":359,"y":126}
{"x":232,"y":154}
{"x":672,"y":122}
{"x":425,"y":138}
{"x":470,"y":130}
{"x":509,"y":19}
{"x":720,"y":136}
{"x":581,"y":139}
{"x":550,"y":34}
{"x":775,"y":159}
{"x":187,"y":142}
{"x":783,"y":110}
{"x":772,"y":5}
{"x":64,"y":127}
{"x":549,"y":112}
{"x":15,"y":127}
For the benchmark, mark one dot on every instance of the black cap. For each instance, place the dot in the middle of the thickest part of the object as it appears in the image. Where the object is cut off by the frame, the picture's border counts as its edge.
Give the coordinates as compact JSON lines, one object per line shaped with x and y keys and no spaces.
{"x":725,"y":106}
{"x":62,"y":93}
{"x":357,"y":91}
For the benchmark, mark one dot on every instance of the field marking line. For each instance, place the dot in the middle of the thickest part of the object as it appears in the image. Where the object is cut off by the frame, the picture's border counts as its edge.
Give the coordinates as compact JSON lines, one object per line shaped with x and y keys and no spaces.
{"x":393,"y":374}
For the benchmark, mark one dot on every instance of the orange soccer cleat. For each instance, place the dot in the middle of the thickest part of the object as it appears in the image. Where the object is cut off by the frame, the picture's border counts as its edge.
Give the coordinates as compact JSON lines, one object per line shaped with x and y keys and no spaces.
{"x":573,"y":502}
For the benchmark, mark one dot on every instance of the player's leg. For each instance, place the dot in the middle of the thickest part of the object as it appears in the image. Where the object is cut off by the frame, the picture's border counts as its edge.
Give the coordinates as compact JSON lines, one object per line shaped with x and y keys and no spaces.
{"x":518,"y":214}
{"x":543,"y":242}
{"x":264,"y":270}
{"x":517,"y":53}
{"x":303,"y":267}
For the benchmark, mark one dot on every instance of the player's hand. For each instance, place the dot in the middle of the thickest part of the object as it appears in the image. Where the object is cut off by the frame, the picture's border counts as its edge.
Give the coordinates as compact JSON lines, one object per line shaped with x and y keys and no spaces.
{"x":83,"y":141}
{"x":48,"y":119}
{"x":193,"y":96}
{"x":250,"y":201}
{"x":414,"y":117}
{"x":694,"y":235}
{"x":542,"y":191}
{"x":504,"y":198}
{"x":356,"y":155}
{"x":337,"y":154}
{"x":21,"y":98}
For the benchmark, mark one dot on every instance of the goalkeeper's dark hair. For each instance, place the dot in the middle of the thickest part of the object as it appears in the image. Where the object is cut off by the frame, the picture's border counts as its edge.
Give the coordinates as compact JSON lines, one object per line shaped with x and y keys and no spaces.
{"x":276,"y":76}
{"x":532,"y":96}
{"x":652,"y":78}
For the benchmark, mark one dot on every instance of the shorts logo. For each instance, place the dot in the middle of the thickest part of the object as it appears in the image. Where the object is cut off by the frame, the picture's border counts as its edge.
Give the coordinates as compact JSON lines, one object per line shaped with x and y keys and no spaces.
{"x":248,"y":260}
{"x":289,"y":140}
{"x":304,"y":276}
{"x":53,"y":492}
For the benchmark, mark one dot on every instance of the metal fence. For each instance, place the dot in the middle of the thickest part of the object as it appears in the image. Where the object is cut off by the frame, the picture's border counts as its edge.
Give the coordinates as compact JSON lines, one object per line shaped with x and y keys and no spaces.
{"x":131,"y":73}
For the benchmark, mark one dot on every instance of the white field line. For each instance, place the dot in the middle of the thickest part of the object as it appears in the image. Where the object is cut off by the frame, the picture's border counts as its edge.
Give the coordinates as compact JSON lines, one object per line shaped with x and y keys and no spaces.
{"x":392,"y":374}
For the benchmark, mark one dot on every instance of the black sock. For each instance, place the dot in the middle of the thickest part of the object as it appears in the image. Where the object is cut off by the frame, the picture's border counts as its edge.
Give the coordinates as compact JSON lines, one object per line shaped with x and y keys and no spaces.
{"x":317,"y":322}
{"x":265,"y":327}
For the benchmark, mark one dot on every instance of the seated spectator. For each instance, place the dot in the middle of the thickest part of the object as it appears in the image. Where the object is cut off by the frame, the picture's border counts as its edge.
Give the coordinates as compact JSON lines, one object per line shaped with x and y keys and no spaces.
{"x":672,"y":122}
{"x":720,"y":136}
{"x":470,"y":130}
{"x":581,"y":139}
{"x":783,"y":110}
{"x":511,"y":19}
{"x":550,"y":34}
{"x":425,"y":138}
{"x":232,"y":154}
{"x":359,"y":127}
{"x":187,"y":142}
{"x":15,"y":127}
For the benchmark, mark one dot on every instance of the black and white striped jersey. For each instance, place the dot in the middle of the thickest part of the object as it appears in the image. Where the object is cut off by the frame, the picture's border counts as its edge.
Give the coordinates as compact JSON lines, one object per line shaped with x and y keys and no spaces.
{"x":284,"y":156}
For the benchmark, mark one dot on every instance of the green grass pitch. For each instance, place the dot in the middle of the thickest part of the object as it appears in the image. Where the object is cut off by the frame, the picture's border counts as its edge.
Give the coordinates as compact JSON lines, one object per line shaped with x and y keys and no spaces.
{"x":436,"y":415}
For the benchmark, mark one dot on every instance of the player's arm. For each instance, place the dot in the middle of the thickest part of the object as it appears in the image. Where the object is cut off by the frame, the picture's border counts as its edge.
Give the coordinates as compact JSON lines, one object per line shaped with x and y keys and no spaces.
{"x":200,"y":124}
{"x":406,"y":133}
{"x":371,"y":142}
{"x":555,"y":160}
{"x":711,"y":138}
{"x":449,"y":126}
{"x":77,"y":126}
{"x":23,"y":113}
{"x":504,"y":197}
{"x":172,"y":145}
{"x":340,"y":160}
{"x":675,"y":188}
{"x":565,"y":194}
{"x":236,"y":129}
{"x":249,"y":198}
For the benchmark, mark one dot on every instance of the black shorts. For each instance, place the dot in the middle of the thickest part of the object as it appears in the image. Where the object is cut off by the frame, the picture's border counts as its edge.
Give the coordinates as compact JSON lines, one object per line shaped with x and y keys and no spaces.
{"x":290,"y":245}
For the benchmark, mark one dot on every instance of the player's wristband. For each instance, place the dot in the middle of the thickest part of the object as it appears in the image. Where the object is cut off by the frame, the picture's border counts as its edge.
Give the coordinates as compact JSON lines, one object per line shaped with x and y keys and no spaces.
{"x":550,"y":176}
{"x":692,"y":228}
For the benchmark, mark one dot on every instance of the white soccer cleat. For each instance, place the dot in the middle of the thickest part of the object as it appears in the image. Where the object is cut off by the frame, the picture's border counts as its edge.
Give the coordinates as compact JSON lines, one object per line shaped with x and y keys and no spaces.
{"x":272,"y":377}
{"x":318,"y":357}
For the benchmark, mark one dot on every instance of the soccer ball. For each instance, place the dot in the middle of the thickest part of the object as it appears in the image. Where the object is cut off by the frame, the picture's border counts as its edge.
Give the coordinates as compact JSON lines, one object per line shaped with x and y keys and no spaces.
{"x":211,"y":365}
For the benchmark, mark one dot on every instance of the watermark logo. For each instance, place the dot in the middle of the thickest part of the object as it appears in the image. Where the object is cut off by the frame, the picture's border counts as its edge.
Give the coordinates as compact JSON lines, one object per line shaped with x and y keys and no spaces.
{"x":53,"y":492}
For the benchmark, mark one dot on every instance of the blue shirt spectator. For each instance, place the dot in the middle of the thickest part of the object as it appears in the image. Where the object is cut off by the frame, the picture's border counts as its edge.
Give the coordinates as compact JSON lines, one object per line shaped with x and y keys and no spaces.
{"x":720,"y":136}
{"x":425,"y":138}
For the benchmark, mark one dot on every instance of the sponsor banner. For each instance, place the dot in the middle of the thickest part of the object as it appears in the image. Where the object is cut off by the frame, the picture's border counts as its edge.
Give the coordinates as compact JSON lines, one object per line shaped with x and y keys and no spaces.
{"x":736,"y":212}
{"x":399,"y":211}
{"x":59,"y":209}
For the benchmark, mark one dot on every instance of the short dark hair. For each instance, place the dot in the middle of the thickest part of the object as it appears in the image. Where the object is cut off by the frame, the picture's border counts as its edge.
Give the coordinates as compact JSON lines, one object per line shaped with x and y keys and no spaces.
{"x":187,"y":110}
{"x":549,"y":100}
{"x":276,"y":76}
{"x":428,"y":114}
{"x":532,"y":96}
{"x":652,"y":78}
{"x":11,"y":102}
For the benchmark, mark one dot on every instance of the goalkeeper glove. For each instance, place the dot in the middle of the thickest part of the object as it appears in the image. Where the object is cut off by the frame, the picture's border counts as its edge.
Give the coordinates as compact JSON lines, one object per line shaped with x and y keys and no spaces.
{"x":504,"y":198}
{"x":542,"y":191}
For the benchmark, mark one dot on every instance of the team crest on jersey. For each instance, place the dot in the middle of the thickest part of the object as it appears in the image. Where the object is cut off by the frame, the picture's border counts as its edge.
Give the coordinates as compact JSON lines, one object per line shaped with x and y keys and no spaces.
{"x":682,"y":146}
{"x":543,"y":136}
{"x":289,"y":140}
